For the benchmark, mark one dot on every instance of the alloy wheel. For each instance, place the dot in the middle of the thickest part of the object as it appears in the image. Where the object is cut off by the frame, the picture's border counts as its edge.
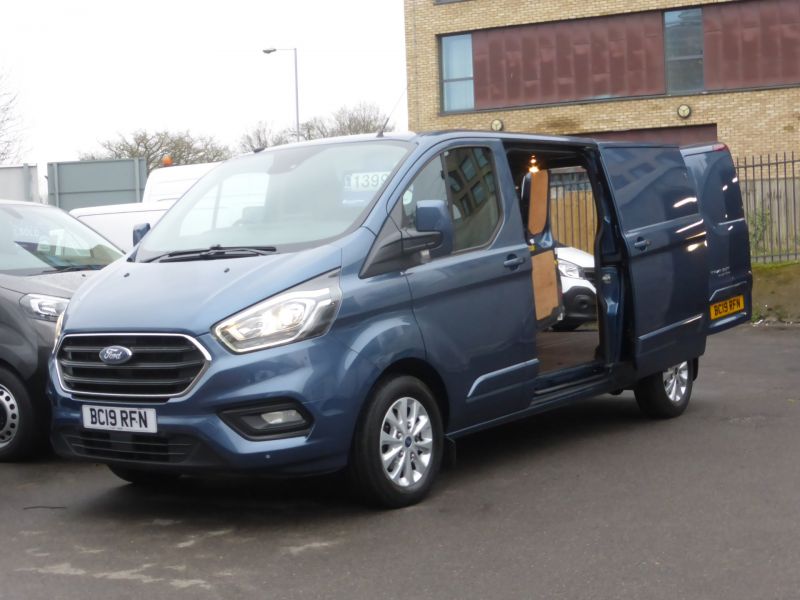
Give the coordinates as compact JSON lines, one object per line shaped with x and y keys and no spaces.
{"x":406,"y":442}
{"x":676,"y":382}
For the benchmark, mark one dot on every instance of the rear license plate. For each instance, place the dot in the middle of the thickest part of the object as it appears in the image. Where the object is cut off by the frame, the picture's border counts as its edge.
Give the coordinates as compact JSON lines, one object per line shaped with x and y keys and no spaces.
{"x":727,"y":307}
{"x":119,"y":418}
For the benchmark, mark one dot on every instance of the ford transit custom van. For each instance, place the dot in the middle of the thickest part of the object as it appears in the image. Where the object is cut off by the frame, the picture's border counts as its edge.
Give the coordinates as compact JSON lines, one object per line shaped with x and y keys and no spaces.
{"x":358,"y":302}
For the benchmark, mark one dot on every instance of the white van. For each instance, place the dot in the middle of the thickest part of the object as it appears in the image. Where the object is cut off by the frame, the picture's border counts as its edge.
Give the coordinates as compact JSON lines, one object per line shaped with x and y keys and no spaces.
{"x":116,"y":221}
{"x":164,"y":186}
{"x":170,"y":183}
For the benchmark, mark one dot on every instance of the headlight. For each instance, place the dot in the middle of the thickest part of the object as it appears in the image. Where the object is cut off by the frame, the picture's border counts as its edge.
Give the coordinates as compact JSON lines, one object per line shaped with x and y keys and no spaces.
{"x":568,"y":269}
{"x":59,"y":325}
{"x":303,"y":312}
{"x":44,"y":308}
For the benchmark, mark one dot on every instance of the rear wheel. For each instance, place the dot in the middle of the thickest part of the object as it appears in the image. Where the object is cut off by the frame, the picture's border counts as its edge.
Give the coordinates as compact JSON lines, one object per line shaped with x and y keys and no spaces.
{"x":20,"y":433}
{"x":666,"y":395}
{"x":398,"y":444}
{"x":142,"y":477}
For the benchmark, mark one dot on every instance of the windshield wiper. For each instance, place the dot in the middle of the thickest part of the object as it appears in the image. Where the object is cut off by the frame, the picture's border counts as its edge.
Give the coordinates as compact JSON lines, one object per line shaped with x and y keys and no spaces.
{"x":217,"y":251}
{"x":71,"y":268}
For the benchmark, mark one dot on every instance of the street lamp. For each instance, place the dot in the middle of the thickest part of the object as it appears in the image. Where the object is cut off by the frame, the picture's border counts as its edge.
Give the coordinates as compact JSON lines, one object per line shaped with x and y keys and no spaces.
{"x":296,"y":84}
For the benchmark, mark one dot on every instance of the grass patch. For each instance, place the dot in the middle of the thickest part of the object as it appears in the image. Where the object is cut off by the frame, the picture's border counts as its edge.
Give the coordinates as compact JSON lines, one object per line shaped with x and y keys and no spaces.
{"x":776,"y":292}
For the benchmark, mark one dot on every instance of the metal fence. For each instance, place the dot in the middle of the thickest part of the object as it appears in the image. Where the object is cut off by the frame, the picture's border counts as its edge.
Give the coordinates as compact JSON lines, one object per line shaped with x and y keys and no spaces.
{"x":770,"y":193}
{"x":572,"y":211}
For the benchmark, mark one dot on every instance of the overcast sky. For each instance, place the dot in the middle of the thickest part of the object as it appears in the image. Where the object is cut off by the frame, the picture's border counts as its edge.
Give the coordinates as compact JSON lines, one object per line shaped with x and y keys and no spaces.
{"x":85,"y":70}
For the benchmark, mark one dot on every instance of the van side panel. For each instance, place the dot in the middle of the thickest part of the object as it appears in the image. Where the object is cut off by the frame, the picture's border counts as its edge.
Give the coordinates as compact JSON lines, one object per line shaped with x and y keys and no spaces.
{"x":720,"y":198}
{"x":664,"y":237}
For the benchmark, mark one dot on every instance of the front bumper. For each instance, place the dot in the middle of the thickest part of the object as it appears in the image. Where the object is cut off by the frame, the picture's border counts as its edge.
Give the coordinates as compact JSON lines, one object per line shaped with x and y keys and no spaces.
{"x":325,"y":377}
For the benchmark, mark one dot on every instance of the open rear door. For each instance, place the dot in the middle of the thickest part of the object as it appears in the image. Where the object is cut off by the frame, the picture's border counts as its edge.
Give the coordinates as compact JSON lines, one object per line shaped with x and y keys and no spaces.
{"x":664,"y":237}
{"x":730,"y":279}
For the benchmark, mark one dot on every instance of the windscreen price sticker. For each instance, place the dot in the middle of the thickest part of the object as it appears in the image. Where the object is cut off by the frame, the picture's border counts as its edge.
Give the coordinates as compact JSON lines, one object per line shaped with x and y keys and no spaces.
{"x":365,"y":182}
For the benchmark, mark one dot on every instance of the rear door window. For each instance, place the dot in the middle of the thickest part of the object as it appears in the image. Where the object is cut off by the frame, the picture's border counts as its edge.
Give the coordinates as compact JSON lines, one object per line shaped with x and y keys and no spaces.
{"x":651,"y":185}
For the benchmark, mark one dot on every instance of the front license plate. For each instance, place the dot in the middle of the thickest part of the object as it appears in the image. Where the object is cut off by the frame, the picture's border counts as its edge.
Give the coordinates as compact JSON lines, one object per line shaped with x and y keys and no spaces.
{"x":119,"y":418}
{"x":727,"y":307}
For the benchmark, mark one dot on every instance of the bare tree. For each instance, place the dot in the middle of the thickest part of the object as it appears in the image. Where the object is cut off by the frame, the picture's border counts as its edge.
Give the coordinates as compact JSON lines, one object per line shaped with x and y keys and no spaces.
{"x":181,"y":147}
{"x":264,"y":136}
{"x":316,"y":128}
{"x":9,"y":123}
{"x":361,"y":118}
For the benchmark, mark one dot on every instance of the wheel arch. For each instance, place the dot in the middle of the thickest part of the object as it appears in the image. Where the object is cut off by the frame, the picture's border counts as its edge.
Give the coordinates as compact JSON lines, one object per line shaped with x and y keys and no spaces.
{"x":423,"y":371}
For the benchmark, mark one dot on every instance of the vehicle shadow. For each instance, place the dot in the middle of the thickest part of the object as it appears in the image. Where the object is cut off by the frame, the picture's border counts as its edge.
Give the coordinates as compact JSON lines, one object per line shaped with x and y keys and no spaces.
{"x":255,"y":501}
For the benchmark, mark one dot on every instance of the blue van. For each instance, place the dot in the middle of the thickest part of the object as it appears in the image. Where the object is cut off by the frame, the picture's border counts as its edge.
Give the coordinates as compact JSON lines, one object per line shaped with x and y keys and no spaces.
{"x":359,"y":302}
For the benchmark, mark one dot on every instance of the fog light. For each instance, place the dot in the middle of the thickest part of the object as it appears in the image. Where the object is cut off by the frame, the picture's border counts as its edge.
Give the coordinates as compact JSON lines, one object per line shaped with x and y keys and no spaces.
{"x":283,"y":417}
{"x":260,"y":422}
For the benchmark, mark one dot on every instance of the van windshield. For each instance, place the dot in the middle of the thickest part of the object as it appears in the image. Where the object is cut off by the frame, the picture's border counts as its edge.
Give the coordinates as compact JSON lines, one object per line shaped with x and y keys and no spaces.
{"x":286,"y":198}
{"x":40,"y":239}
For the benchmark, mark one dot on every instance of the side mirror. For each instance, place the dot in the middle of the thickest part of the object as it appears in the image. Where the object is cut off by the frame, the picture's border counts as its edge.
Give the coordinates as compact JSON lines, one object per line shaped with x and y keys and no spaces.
{"x":139,"y":231}
{"x":434,"y":229}
{"x":397,"y":249}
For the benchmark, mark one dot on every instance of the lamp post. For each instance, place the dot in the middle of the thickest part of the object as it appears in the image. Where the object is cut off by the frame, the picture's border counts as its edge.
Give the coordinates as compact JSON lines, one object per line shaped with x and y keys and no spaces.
{"x":296,"y":86}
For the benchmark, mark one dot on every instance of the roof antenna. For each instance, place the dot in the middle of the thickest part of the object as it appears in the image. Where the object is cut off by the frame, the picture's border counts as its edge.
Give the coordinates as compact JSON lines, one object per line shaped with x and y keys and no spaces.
{"x":394,"y":108}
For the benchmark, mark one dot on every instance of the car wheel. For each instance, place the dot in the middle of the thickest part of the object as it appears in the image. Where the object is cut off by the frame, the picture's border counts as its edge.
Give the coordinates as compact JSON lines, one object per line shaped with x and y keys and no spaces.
{"x":666,"y":395}
{"x":20,"y":433}
{"x":142,"y":477}
{"x":398,"y":444}
{"x":566,"y":325}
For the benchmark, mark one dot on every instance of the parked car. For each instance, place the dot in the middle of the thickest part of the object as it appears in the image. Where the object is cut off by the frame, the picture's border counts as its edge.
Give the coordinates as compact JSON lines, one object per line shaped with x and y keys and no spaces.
{"x":44,"y":256}
{"x":576,"y":270}
{"x":356,"y":302}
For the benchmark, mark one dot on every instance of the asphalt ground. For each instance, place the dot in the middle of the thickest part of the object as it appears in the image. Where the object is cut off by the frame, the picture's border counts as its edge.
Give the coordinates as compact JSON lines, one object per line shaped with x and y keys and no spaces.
{"x":592,"y":501}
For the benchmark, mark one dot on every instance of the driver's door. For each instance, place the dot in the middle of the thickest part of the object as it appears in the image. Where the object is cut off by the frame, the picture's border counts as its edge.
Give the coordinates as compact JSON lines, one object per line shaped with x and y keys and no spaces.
{"x":474,"y":304}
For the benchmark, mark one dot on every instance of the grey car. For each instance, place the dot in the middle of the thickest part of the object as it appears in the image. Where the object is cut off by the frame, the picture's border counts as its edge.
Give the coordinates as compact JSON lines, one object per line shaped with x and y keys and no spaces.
{"x":45,"y":255}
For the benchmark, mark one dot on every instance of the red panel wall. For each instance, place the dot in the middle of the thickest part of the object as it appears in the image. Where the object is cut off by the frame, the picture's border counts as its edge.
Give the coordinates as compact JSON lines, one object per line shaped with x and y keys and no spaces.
{"x":572,"y":60}
{"x":752,"y":44}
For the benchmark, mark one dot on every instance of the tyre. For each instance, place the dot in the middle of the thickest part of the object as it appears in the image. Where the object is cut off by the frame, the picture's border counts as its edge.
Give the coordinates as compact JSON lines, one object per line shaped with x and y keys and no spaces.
{"x":398,"y":444}
{"x":142,"y":477}
{"x":21,"y":432}
{"x":666,"y":395}
{"x":566,"y":325}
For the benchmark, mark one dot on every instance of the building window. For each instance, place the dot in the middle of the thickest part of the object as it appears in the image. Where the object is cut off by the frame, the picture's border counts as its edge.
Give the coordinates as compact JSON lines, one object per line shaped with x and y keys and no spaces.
{"x":683,"y":44}
{"x":457,"y":84}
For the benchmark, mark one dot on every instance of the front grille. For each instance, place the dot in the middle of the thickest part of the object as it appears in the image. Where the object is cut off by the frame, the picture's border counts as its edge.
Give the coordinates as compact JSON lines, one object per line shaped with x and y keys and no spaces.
{"x":589,"y":274}
{"x":161,"y":366}
{"x":130,"y":446}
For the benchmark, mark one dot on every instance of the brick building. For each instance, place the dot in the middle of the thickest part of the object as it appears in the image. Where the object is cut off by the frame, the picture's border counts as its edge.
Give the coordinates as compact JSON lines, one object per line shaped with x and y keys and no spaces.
{"x":680,"y":71}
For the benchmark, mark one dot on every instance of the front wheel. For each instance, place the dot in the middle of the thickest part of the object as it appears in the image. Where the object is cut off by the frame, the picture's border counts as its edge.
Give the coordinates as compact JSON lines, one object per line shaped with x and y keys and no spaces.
{"x":21,"y":432}
{"x":398,"y":444}
{"x":666,"y":395}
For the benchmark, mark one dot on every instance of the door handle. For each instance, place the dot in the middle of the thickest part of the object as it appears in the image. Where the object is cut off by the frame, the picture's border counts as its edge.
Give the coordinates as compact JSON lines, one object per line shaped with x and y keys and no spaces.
{"x":513,"y":261}
{"x":641,"y":243}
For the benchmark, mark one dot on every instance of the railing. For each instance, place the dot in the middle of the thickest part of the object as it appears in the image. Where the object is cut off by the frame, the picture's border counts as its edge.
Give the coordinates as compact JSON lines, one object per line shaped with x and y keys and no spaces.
{"x":572,"y":211}
{"x":770,"y":193}
{"x":770,"y":188}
